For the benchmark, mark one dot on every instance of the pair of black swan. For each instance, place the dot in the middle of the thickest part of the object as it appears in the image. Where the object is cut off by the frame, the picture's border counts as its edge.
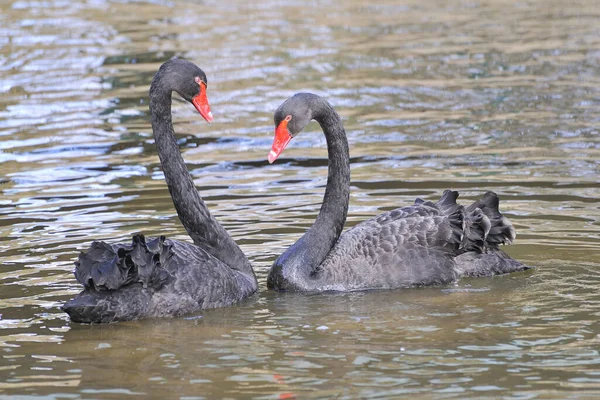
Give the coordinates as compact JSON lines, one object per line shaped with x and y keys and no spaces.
{"x":422,"y":244}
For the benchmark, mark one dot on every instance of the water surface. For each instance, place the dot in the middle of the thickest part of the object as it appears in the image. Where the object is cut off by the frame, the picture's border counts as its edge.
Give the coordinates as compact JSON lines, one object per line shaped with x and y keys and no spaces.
{"x":468,"y":95}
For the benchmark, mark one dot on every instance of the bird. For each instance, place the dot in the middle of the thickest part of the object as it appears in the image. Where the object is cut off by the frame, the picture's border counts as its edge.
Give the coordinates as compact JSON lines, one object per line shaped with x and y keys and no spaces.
{"x":421,"y":244}
{"x":162,"y":277}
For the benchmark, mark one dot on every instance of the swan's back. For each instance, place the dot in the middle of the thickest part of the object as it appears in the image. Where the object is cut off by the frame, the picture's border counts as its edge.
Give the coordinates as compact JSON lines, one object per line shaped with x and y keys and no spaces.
{"x":408,"y":246}
{"x":154,"y":278}
{"x":422,"y":244}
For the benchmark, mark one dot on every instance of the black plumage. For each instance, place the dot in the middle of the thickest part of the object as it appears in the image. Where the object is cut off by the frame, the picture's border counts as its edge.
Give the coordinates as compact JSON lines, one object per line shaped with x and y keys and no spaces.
{"x":163,"y":277}
{"x":422,"y":244}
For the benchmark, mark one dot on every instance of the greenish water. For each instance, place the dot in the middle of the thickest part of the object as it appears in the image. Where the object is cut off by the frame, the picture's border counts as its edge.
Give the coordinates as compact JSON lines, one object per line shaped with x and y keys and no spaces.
{"x":468,"y":95}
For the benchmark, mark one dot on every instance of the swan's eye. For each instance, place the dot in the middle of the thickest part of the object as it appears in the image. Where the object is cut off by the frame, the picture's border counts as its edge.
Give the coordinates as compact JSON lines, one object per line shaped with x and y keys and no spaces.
{"x":199,"y":81}
{"x":288,"y":118}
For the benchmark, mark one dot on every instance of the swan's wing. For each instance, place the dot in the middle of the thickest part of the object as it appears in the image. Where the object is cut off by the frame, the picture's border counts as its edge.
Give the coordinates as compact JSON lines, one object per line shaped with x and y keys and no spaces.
{"x":485,"y":229}
{"x":154,"y":278}
{"x":107,"y":266}
{"x":407,"y":246}
{"x":501,"y":230}
{"x":210,"y":282}
{"x":423,"y":244}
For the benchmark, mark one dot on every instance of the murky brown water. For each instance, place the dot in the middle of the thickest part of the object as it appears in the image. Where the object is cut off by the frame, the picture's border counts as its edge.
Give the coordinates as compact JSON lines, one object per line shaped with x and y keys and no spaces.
{"x":461,"y":94}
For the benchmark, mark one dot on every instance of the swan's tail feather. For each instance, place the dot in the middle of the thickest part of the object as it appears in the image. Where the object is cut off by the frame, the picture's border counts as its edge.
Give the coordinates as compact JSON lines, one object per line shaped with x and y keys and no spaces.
{"x":501,"y":230}
{"x":109,"y":267}
{"x":495,"y":262}
{"x":87,"y":308}
{"x":100,"y":307}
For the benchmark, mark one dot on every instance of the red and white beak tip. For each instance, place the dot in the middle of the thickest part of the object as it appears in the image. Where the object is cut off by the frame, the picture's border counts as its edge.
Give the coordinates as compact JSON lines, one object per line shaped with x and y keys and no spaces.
{"x":272,"y":157}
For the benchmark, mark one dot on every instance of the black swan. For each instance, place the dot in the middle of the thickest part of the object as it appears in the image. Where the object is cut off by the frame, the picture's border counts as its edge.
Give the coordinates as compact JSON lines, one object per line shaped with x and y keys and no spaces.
{"x":422,"y":244}
{"x":162,"y":277}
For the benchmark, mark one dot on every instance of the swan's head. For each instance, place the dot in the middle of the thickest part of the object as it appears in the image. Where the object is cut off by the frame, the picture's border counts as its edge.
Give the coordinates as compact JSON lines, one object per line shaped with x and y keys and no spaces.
{"x":189,"y":81}
{"x":290,"y":118}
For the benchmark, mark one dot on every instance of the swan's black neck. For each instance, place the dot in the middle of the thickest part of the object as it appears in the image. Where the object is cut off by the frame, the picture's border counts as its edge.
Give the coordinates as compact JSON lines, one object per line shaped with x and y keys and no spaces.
{"x":332,"y":216}
{"x":203,"y":228}
{"x":299,"y":265}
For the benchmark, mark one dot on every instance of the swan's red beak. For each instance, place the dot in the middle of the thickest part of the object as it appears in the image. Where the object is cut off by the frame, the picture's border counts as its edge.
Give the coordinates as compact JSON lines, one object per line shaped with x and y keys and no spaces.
{"x":282,"y":138}
{"x":201,"y":104}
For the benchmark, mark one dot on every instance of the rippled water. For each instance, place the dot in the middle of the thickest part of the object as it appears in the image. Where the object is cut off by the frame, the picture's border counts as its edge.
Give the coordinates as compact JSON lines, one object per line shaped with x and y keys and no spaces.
{"x":470,"y":95}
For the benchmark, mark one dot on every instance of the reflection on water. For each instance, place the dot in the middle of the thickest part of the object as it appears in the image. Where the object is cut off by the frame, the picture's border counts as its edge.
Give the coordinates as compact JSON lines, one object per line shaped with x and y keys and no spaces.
{"x":463,"y":95}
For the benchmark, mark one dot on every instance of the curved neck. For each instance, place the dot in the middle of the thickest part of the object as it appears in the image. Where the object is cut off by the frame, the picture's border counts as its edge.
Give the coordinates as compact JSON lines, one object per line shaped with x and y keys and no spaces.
{"x":332,"y":216}
{"x":302,"y":259}
{"x":203,"y":228}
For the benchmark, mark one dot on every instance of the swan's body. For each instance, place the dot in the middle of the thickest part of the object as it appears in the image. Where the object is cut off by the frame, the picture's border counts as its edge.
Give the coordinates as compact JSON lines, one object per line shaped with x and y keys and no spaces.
{"x":422,"y":244}
{"x":163,"y":277}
